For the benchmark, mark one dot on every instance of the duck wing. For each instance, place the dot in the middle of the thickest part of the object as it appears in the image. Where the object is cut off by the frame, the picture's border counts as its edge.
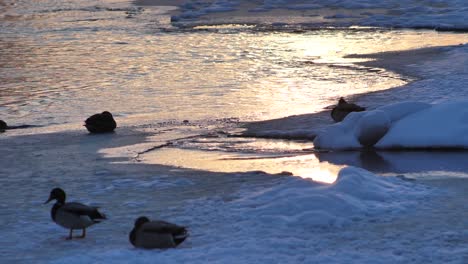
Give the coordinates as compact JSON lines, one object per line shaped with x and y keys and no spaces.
{"x":93,"y":119}
{"x":99,"y":123}
{"x":83,"y":210}
{"x":163,"y":227}
{"x":351,"y":107}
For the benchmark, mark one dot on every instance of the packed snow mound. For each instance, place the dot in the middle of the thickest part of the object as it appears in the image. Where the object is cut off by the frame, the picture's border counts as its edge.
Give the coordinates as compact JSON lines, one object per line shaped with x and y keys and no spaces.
{"x":405,"y":125}
{"x":356,"y":194}
{"x":440,"y":126}
{"x":270,"y":224}
{"x":445,"y":14}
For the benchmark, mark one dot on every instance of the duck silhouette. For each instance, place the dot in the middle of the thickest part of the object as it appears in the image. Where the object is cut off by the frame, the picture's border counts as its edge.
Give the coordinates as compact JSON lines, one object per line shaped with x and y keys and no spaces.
{"x":73,"y":215}
{"x":3,"y":126}
{"x":101,"y":123}
{"x":343,"y":108}
{"x":156,"y":234}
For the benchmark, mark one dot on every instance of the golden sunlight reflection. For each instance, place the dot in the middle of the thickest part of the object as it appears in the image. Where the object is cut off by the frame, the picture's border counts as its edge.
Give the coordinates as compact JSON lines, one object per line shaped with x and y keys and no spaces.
{"x":250,"y":75}
{"x":305,"y":166}
{"x":326,"y":172}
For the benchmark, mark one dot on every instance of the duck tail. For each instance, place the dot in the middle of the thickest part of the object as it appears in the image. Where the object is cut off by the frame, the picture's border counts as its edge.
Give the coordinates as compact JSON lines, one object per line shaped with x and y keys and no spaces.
{"x":179,"y":238}
{"x":183,"y":233}
{"x":103,"y":216}
{"x":98,"y":216}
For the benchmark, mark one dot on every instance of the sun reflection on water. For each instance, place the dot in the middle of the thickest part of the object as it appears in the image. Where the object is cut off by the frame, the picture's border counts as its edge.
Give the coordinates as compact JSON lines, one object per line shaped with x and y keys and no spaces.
{"x":248,"y":74}
{"x":304,"y":166}
{"x":325,"y":172}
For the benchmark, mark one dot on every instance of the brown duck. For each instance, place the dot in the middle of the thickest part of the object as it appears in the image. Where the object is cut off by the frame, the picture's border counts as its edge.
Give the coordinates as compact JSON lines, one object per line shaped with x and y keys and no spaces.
{"x":343,"y":108}
{"x":156,"y":234}
{"x":101,"y":123}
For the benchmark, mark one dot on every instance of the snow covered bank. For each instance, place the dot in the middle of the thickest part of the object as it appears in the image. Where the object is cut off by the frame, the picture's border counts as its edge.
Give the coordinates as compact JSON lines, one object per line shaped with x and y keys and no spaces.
{"x":445,"y":15}
{"x":232,"y":218}
{"x":401,"y":125}
{"x":288,"y":221}
{"x":435,"y":119}
{"x":355,"y":195}
{"x":405,"y":125}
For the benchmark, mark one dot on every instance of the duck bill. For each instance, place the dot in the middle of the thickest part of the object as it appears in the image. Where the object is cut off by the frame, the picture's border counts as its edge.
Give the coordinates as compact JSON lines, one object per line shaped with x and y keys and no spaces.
{"x":48,"y":200}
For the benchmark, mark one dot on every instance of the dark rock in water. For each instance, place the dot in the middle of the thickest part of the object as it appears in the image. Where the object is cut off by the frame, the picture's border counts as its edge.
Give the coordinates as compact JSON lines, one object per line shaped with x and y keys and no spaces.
{"x":101,"y":123}
{"x":343,"y":108}
{"x":3,"y":125}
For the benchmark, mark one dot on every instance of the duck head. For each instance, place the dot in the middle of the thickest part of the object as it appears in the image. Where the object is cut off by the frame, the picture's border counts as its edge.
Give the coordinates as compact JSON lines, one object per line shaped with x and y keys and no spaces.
{"x":57,"y":194}
{"x":3,"y":125}
{"x":140,"y":221}
{"x":106,"y":114}
{"x":342,"y":101}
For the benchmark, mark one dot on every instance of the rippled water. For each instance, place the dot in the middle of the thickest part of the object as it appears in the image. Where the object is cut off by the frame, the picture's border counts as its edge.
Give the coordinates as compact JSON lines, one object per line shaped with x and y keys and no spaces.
{"x":62,"y":61}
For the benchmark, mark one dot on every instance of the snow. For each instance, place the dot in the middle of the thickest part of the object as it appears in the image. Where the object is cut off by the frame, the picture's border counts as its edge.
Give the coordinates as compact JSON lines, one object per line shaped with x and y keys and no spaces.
{"x":442,"y":125}
{"x":232,"y":218}
{"x":449,"y":14}
{"x":437,"y":118}
{"x":412,"y":125}
{"x":355,"y":193}
{"x":281,"y":221}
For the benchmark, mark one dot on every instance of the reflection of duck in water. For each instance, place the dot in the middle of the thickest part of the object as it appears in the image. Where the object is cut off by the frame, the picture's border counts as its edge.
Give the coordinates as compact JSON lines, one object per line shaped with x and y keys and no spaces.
{"x":343,"y":108}
{"x":156,"y":234}
{"x":101,"y":123}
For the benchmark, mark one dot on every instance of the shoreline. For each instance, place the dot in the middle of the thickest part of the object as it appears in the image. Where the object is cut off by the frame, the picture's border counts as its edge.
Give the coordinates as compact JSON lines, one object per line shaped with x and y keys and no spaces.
{"x":414,"y":64}
{"x":323,"y":14}
{"x":248,"y":13}
{"x":403,"y":62}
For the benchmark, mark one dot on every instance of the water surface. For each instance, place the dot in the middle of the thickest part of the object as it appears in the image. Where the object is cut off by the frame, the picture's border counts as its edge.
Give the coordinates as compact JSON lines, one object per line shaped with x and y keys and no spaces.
{"x":61,"y":62}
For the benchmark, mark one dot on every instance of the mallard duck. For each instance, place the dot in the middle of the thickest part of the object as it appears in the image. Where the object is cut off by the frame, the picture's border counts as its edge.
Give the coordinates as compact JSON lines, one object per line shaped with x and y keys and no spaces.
{"x":3,"y":126}
{"x":101,"y":123}
{"x":343,"y":108}
{"x":73,"y":215}
{"x":156,"y":234}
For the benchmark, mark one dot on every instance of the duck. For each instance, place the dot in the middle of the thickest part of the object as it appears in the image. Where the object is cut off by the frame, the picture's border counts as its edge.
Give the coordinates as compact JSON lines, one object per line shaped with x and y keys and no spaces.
{"x":3,"y":126}
{"x":73,"y":215}
{"x":101,"y":123}
{"x":156,"y":234}
{"x":343,"y":108}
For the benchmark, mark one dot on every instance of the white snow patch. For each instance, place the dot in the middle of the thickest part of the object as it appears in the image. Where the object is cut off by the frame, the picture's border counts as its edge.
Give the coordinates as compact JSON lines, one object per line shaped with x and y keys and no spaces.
{"x":442,"y":125}
{"x":280,"y":223}
{"x":356,"y":193}
{"x":412,"y":125}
